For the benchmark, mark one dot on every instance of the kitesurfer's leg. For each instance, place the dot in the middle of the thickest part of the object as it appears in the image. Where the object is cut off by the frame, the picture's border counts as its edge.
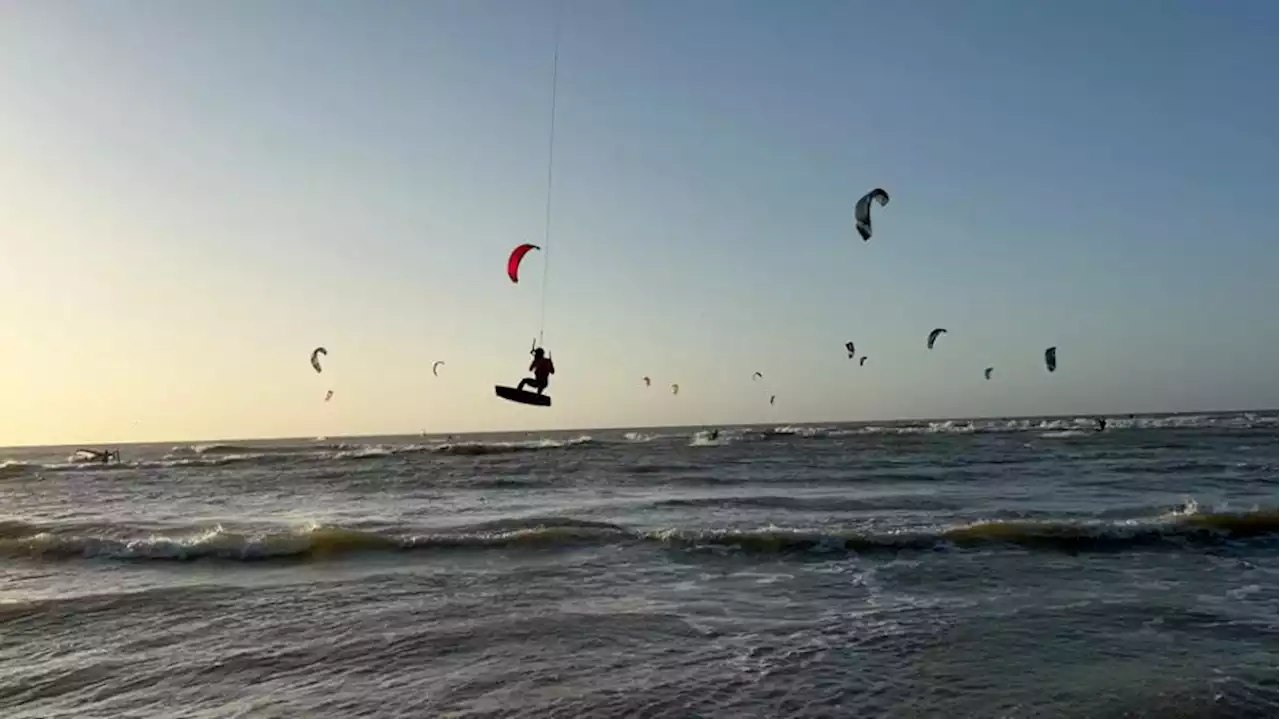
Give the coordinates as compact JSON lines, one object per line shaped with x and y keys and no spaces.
{"x":523,"y":382}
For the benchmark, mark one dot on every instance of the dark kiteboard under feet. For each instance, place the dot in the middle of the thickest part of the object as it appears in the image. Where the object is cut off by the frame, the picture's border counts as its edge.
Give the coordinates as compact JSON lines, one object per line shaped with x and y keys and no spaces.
{"x":521,"y":396}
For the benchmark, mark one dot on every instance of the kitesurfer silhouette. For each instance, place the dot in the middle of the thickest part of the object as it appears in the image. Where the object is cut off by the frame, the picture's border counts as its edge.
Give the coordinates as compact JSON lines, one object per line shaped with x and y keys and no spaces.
{"x":542,"y":368}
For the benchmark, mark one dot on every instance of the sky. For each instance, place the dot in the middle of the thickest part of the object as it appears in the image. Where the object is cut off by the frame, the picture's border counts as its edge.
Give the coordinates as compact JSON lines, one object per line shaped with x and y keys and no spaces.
{"x":194,"y":195}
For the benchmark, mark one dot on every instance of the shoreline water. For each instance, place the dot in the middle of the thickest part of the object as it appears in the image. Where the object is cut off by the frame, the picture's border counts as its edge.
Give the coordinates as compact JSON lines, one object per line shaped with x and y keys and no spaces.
{"x":993,"y":568}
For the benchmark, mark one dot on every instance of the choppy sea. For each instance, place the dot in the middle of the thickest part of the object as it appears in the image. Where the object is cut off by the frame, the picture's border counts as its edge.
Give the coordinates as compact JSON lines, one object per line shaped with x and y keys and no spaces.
{"x":993,"y":568}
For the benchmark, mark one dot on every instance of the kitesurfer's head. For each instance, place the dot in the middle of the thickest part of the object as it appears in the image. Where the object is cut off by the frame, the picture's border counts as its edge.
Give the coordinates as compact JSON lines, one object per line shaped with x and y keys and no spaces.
{"x":538,"y":353}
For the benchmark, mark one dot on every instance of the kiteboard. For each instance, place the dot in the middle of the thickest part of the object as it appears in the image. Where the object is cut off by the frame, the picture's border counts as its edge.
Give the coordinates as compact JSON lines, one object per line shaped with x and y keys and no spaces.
{"x":521,"y":396}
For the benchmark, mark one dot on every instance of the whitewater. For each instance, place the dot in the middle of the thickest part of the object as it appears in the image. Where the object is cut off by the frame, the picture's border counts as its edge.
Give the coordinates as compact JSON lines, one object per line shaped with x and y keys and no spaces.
{"x":1012,"y":567}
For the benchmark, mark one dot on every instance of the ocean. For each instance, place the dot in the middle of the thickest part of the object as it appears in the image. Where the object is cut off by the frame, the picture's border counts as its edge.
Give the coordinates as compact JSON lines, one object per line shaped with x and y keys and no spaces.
{"x":1027,"y":567}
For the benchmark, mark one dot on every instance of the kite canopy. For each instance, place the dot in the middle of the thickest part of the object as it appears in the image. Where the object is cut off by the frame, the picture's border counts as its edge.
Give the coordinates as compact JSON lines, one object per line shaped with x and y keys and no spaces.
{"x":315,"y":357}
{"x":1051,"y":358}
{"x":862,"y":211}
{"x":987,"y":372}
{"x":934,"y":336}
{"x":517,"y":256}
{"x":435,"y":366}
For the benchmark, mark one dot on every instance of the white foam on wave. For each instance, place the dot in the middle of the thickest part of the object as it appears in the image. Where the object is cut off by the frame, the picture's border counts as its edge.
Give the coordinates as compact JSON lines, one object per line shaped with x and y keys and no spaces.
{"x":1188,"y":508}
{"x":368,"y":452}
{"x":505,"y":447}
{"x":703,"y":438}
{"x":809,"y":432}
{"x":13,"y":466}
{"x":170,"y":460}
{"x":1243,"y":420}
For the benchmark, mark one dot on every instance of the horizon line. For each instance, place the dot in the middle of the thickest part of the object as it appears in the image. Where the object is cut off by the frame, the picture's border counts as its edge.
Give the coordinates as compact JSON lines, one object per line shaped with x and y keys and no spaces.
{"x":612,"y":428}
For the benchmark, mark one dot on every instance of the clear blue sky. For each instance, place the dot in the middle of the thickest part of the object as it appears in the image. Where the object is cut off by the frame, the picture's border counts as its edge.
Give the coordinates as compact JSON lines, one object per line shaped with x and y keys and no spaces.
{"x":194,"y":195}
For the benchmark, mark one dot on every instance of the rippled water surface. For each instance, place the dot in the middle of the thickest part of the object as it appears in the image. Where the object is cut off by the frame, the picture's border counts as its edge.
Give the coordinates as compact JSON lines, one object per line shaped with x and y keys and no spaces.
{"x":997,"y":568}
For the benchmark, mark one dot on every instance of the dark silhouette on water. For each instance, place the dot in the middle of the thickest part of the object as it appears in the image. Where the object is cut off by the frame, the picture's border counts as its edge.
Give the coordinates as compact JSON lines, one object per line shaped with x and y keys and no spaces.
{"x":105,"y":456}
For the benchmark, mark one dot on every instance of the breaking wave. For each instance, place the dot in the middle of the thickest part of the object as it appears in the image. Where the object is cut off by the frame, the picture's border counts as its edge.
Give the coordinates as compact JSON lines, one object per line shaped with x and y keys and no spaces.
{"x":1084,"y":424}
{"x":812,"y":504}
{"x":218,"y":455}
{"x":1046,"y":428}
{"x":302,"y":451}
{"x":478,"y":448}
{"x":1180,"y":530}
{"x":12,"y":467}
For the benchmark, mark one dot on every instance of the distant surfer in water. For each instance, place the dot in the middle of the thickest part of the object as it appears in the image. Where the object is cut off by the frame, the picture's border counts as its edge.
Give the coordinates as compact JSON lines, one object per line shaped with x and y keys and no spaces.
{"x":104,"y":456}
{"x":1102,"y":423}
{"x":713,"y":435}
{"x":542,"y":368}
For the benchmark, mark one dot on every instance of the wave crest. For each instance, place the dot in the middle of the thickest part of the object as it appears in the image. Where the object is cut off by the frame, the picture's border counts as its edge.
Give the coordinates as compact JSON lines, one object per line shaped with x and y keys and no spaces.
{"x":478,"y":448}
{"x":1175,"y":531}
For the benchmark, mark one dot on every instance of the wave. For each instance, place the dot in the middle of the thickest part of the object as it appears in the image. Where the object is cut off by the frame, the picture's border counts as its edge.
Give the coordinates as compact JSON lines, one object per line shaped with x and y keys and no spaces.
{"x":808,"y":432}
{"x":1073,"y":537}
{"x":218,"y":455}
{"x":1066,"y":434}
{"x":476,"y":448}
{"x":217,"y":460}
{"x":225,"y":449}
{"x":13,"y":467}
{"x":811,"y":504}
{"x":709,"y":438}
{"x":22,"y":539}
{"x":302,"y":451}
{"x":1047,"y":428}
{"x":720,"y":438}
{"x":16,"y":468}
{"x":1226,"y":421}
{"x":1183,"y":530}
{"x":17,"y":529}
{"x":260,"y":449}
{"x":225,"y":454}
